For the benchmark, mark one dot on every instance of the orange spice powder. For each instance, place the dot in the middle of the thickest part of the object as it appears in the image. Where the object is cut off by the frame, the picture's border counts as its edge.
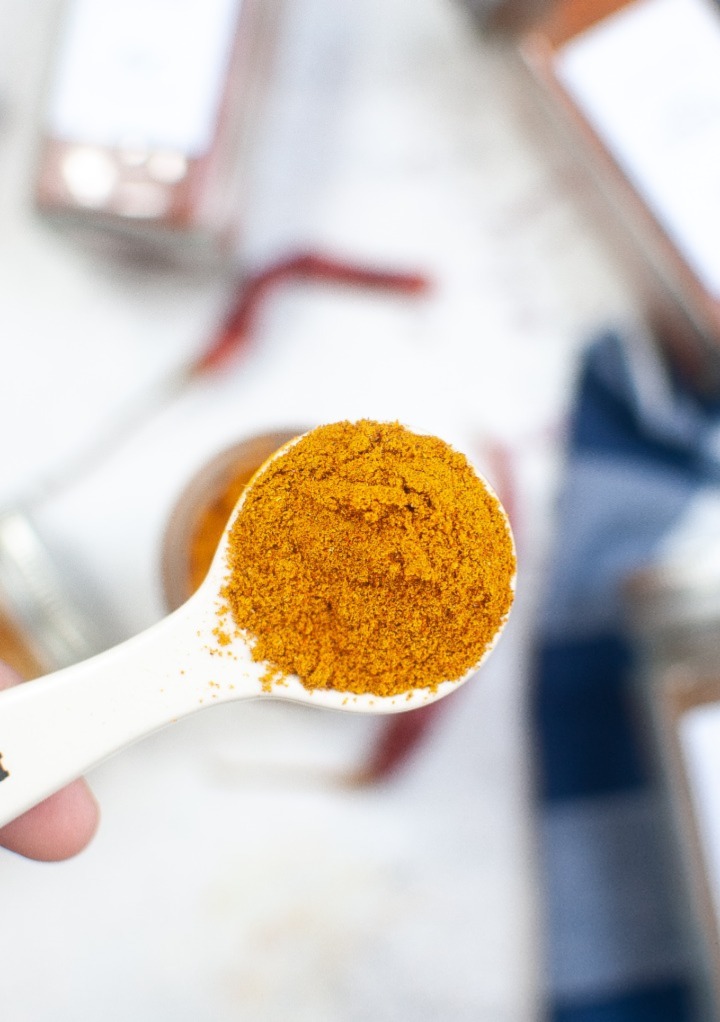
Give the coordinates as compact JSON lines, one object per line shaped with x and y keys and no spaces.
{"x":210,"y":526}
{"x":370,"y":559}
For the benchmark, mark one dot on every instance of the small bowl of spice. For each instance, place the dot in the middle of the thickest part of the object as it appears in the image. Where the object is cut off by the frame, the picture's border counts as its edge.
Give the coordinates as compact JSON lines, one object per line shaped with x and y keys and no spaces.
{"x":203,"y":508}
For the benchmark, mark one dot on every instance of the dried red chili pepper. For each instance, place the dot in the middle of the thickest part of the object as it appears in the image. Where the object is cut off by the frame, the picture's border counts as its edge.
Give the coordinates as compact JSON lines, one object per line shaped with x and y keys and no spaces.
{"x":309,"y":267}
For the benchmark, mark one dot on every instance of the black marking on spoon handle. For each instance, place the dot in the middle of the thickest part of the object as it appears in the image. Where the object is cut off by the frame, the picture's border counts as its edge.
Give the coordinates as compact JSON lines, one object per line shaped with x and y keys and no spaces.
{"x":3,"y":772}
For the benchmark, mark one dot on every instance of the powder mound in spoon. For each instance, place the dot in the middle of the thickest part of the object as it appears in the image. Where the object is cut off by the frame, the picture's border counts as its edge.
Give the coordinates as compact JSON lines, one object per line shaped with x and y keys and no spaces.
{"x":369,"y":559}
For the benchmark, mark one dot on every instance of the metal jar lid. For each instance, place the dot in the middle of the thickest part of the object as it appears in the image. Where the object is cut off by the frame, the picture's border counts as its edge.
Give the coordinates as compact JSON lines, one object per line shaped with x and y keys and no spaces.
{"x":35,"y":599}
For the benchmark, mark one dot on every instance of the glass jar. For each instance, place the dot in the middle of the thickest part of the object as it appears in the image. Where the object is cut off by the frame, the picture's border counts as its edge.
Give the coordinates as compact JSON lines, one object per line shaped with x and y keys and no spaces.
{"x":675,"y":608}
{"x":148,"y":127}
{"x":675,"y":613}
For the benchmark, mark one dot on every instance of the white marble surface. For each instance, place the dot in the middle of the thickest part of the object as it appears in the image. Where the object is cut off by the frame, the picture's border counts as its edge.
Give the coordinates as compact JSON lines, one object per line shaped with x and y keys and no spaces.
{"x":220,"y":888}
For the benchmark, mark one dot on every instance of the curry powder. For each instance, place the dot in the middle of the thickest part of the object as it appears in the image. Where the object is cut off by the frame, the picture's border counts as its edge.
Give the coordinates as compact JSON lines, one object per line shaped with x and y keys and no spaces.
{"x":210,"y":526}
{"x":369,"y":559}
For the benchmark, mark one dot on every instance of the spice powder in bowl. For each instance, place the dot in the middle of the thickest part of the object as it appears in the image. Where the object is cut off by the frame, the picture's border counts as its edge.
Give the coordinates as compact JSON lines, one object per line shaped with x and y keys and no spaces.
{"x":368,"y":559}
{"x":202,"y":510}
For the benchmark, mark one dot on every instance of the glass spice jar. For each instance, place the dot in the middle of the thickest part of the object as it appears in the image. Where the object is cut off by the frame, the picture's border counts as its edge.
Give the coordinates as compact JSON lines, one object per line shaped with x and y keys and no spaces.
{"x":151,"y":112}
{"x":674,"y":610}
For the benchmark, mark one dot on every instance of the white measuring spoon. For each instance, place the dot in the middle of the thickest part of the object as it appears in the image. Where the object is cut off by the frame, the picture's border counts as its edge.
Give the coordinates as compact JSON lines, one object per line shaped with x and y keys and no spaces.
{"x":57,"y":727}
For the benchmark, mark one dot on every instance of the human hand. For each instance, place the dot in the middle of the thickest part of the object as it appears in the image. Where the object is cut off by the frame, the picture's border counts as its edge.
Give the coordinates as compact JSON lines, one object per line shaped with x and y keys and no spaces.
{"x":57,"y":828}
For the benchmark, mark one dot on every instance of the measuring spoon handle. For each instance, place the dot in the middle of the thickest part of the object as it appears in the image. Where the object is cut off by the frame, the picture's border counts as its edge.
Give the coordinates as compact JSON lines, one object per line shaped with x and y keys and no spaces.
{"x":55,"y":728}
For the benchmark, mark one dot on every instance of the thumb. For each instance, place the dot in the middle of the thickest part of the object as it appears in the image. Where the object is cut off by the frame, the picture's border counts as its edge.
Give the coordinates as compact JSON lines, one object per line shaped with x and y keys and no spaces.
{"x":60,"y":826}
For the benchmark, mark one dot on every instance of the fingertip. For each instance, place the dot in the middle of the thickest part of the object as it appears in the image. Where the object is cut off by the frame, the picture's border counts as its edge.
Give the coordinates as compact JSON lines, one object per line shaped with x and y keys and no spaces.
{"x":56,"y":829}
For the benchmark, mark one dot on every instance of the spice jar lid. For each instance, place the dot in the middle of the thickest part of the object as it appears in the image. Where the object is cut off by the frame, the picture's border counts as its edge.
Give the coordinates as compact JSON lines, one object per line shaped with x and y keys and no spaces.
{"x":35,"y":599}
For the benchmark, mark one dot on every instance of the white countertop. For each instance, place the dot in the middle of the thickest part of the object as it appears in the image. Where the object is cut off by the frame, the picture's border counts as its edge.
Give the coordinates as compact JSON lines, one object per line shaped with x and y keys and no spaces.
{"x":218,"y":887}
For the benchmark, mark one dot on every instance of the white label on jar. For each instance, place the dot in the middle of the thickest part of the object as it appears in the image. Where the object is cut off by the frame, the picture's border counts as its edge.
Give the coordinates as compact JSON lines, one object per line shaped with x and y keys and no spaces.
{"x":146,"y":74}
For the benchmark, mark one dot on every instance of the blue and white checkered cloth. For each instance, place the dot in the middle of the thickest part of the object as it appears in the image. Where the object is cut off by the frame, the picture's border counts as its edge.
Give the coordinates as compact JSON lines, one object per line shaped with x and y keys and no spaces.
{"x":641,"y":451}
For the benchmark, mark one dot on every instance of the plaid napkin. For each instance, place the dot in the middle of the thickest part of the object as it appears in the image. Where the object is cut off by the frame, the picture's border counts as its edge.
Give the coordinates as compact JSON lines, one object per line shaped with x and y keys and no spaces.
{"x":641,"y":450}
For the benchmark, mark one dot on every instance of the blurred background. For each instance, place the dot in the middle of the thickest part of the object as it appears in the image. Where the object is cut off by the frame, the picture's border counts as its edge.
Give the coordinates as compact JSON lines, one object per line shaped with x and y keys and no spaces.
{"x":223,"y":220}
